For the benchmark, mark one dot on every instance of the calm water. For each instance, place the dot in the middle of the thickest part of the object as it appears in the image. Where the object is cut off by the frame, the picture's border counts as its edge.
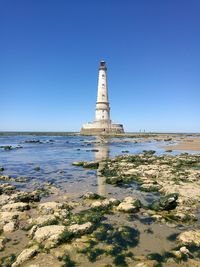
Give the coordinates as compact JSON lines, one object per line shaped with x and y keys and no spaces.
{"x":55,"y":155}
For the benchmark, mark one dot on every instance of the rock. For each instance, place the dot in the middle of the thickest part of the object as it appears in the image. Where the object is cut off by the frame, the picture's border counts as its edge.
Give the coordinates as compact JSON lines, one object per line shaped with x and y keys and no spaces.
{"x":20,"y":206}
{"x":37,"y":168}
{"x":177,"y":254}
{"x":4,"y":199}
{"x":21,"y":179}
{"x":151,"y":173}
{"x":25,"y":255}
{"x":2,"y":242}
{"x":33,"y":141}
{"x":44,"y":219}
{"x":91,"y":165}
{"x":150,"y":187}
{"x":184,"y":250}
{"x":49,"y":233}
{"x":114,"y":201}
{"x":78,"y":163}
{"x":80,"y":228}
{"x":91,"y":195}
{"x":6,"y":216}
{"x":10,"y":227}
{"x":191,"y":237}
{"x":6,"y":178}
{"x":6,"y":147}
{"x":132,"y":172}
{"x":129,"y":205}
{"x":28,"y":196}
{"x":114,"y":180}
{"x":50,"y":207}
{"x":101,"y":204}
{"x":157,"y":217}
{"x":148,"y":263}
{"x":7,"y":189}
{"x":32,"y":231}
{"x":168,"y":202}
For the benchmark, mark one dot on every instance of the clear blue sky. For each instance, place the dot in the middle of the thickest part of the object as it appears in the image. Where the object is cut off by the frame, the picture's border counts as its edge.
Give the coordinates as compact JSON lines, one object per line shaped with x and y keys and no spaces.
{"x":50,"y":52}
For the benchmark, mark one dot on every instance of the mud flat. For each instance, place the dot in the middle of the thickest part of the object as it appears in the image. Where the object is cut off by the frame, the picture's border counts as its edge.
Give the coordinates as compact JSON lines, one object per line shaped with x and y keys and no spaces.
{"x":46,"y":227}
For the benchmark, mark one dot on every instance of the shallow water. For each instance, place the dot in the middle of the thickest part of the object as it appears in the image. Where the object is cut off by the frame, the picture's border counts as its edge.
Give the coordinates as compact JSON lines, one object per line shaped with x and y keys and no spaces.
{"x":55,"y":155}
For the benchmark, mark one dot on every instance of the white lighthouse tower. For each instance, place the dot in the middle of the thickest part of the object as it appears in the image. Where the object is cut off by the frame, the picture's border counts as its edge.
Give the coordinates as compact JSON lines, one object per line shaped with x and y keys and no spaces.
{"x":102,"y":105}
{"x":102,"y":123}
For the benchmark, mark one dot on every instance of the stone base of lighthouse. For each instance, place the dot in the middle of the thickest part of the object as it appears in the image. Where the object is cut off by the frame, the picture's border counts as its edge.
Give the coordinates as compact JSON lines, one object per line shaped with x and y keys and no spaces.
{"x":101,"y":127}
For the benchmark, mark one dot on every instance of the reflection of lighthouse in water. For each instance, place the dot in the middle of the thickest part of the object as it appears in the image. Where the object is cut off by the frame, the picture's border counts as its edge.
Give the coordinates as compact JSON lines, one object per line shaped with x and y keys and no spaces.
{"x":102,"y":152}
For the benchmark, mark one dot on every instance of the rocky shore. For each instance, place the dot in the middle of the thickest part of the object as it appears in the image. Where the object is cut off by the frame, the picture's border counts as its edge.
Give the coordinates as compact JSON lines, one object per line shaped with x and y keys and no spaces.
{"x":93,"y":230}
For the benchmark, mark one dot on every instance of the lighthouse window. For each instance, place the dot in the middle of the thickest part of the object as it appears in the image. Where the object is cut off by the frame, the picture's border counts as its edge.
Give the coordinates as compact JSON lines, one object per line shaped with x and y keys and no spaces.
{"x":103,"y":75}
{"x":103,"y":84}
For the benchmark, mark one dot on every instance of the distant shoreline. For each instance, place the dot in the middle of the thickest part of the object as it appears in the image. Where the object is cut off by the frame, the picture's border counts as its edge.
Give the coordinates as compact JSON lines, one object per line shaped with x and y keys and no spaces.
{"x":128,"y":134}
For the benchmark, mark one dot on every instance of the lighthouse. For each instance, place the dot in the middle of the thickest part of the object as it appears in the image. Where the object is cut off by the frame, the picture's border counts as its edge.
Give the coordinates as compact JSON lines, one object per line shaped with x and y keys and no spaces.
{"x":102,"y":104}
{"x":102,"y":123}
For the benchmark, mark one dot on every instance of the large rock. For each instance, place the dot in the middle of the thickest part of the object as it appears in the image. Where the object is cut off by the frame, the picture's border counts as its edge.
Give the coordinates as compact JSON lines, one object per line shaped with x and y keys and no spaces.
{"x":49,"y":233}
{"x":190,"y":237}
{"x":25,"y":255}
{"x":80,"y":228}
{"x":168,"y":202}
{"x":129,"y":205}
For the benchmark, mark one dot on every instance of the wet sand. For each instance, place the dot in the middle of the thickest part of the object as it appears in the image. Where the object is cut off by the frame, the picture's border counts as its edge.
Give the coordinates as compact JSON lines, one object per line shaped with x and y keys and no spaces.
{"x":186,"y":144}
